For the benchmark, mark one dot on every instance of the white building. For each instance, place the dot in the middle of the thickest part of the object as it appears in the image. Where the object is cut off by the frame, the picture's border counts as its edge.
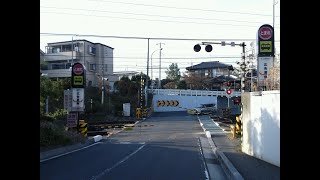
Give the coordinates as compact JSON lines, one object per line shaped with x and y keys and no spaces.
{"x":96,"y":57}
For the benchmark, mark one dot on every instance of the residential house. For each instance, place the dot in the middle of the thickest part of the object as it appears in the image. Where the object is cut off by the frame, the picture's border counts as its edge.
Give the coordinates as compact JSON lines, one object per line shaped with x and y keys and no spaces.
{"x":209,"y":69}
{"x":96,"y":57}
{"x":213,"y":73}
{"x":128,"y":74}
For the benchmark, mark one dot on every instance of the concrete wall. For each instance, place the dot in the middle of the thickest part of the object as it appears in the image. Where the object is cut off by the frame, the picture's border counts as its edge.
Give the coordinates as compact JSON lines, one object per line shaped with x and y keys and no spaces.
{"x":261,"y":125}
{"x":185,"y":102}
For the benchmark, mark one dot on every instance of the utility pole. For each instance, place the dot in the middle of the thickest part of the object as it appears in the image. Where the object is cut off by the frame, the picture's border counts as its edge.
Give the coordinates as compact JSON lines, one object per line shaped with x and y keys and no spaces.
{"x":147,"y":82}
{"x":243,"y":61}
{"x":159,"y":84}
{"x":102,"y":91}
{"x":274,"y":4}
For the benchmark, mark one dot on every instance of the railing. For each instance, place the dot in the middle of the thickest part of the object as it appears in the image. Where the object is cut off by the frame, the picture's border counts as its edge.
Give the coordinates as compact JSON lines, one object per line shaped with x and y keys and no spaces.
{"x":178,"y":92}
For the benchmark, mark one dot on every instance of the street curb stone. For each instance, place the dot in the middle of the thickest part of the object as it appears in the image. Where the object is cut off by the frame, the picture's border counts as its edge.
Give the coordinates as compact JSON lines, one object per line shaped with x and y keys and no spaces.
{"x":227,"y":166}
{"x":62,"y":150}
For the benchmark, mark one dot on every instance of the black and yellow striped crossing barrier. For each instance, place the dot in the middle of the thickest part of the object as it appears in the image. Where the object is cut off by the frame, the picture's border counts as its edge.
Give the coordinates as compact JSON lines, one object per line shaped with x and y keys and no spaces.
{"x":83,"y":128}
{"x":237,"y":129}
{"x":238,"y":125}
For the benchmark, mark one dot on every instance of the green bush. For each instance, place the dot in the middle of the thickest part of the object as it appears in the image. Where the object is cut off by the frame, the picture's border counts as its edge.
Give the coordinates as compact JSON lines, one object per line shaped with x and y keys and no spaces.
{"x":59,"y":114}
{"x":52,"y":134}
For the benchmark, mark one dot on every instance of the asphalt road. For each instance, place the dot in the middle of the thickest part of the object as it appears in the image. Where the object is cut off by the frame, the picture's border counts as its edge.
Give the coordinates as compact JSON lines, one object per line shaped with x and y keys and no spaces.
{"x":166,"y":146}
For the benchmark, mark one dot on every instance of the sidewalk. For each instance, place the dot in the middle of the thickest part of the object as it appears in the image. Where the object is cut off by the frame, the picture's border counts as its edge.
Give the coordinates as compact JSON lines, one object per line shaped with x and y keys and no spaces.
{"x":249,"y":167}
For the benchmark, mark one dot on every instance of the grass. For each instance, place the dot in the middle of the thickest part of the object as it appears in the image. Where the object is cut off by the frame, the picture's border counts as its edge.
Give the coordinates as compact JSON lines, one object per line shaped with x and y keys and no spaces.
{"x":54,"y":135}
{"x":128,"y":128}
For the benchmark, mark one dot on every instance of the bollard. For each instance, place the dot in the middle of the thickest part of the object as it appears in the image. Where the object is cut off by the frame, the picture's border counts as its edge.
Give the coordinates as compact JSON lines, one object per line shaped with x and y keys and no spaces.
{"x":138,"y":113}
{"x":238,"y":125}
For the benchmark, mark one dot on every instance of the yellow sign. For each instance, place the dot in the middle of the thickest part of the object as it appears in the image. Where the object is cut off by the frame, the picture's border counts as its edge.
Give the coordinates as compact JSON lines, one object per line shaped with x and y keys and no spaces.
{"x":266,"y":46}
{"x":78,"y":80}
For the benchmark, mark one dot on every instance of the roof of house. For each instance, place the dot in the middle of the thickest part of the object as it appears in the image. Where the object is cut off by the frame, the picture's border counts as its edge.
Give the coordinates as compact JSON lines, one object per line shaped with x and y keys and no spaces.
{"x":76,"y":41}
{"x":41,"y":52}
{"x":223,"y":78}
{"x":208,"y":65}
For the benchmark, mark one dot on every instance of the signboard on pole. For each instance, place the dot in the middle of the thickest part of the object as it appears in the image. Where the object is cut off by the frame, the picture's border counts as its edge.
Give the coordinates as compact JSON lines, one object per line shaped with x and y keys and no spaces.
{"x":72,"y":119}
{"x":77,"y":99}
{"x":67,"y":100}
{"x":78,"y":76}
{"x":265,"y":41}
{"x":264,"y":65}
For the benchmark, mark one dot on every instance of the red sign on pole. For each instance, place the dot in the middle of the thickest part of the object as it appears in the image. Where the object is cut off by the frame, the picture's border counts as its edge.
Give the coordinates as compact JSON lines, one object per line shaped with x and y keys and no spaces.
{"x":72,"y":119}
{"x":78,"y":69}
{"x":265,"y":33}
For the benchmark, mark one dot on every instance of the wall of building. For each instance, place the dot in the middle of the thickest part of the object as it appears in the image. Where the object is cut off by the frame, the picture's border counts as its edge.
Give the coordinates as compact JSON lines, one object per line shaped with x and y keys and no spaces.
{"x":261,"y":125}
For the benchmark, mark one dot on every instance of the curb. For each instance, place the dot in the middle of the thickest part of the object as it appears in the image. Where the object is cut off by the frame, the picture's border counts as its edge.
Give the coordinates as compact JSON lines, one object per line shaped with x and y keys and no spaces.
{"x":59,"y":151}
{"x":226,"y":165}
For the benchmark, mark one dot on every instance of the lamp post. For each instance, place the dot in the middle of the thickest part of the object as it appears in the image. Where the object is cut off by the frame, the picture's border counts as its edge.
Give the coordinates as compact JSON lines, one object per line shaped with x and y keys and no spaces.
{"x":159,"y":84}
{"x":151,"y":62}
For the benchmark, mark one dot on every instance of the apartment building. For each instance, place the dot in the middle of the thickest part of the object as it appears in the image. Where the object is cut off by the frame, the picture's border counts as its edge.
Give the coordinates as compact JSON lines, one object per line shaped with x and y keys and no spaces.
{"x":96,"y":57}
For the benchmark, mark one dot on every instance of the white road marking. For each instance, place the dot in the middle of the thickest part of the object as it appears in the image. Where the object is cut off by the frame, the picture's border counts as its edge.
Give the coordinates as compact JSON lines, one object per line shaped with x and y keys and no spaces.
{"x":69,"y":152}
{"x":117,"y":164}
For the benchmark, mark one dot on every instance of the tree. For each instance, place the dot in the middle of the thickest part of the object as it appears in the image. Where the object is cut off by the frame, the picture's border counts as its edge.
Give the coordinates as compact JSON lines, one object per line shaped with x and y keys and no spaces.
{"x":173,"y":73}
{"x":182,"y":85}
{"x":194,"y":82}
{"x":170,"y":85}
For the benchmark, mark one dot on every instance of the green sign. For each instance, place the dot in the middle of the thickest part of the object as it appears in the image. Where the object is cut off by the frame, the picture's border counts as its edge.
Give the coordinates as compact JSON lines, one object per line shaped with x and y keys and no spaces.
{"x":78,"y":80}
{"x":265,"y":46}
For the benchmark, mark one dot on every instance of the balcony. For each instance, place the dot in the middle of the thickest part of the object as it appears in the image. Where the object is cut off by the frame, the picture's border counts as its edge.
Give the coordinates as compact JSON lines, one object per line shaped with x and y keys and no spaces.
{"x":57,"y":73}
{"x":62,"y":56}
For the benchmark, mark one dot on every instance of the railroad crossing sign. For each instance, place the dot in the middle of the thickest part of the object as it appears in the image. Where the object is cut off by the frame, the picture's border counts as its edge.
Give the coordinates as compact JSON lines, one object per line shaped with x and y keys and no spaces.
{"x":167,"y":103}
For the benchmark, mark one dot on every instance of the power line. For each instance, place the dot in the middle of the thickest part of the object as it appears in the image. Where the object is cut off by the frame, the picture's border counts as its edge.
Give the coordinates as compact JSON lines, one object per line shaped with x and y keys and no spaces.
{"x":192,"y":9}
{"x":140,"y":19}
{"x":117,"y":12}
{"x":123,"y":57}
{"x":132,"y":37}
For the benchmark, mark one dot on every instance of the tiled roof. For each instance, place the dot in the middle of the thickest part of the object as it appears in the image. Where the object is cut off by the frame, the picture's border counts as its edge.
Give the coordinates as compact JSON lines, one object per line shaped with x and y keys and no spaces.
{"x":208,"y":65}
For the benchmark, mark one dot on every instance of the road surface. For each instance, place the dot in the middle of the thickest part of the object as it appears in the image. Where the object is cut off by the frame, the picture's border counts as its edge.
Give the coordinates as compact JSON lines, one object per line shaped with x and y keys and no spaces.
{"x":166,"y":146}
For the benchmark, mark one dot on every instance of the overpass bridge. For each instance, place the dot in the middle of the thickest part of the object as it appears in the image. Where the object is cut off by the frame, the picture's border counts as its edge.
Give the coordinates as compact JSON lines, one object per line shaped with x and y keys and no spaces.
{"x":166,"y":100}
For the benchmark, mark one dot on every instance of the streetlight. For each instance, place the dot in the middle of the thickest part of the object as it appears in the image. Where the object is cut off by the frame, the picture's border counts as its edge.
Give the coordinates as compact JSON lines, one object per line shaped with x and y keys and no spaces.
{"x":159,"y":84}
{"x":151,"y":63}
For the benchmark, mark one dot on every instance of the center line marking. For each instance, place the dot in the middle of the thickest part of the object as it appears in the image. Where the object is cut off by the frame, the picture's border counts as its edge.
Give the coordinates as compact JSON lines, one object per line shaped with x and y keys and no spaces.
{"x":117,"y":164}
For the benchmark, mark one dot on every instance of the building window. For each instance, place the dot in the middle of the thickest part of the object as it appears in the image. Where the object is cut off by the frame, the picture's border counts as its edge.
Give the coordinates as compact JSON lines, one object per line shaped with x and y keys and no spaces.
{"x":68,"y":65}
{"x":92,"y":67}
{"x":265,"y":64}
{"x":92,"y":50}
{"x":265,"y":68}
{"x":55,"y":50}
{"x":58,"y":66}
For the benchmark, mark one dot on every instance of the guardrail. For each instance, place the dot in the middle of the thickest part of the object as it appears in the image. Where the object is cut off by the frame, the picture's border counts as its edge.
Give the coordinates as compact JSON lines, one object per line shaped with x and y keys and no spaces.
{"x":178,"y":92}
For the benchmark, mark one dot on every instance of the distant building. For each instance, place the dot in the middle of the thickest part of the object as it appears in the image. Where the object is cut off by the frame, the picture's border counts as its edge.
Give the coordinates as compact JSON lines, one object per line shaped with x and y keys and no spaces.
{"x":209,"y":69}
{"x":128,"y":74}
{"x":214,"y":74}
{"x":96,"y":57}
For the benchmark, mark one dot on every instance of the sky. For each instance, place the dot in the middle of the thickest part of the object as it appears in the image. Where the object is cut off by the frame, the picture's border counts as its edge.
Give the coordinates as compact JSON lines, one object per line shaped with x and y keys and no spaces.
{"x":202,"y":20}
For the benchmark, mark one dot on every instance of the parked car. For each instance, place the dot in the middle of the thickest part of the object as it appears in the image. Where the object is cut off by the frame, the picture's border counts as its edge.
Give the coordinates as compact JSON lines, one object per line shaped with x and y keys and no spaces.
{"x":205,"y":109}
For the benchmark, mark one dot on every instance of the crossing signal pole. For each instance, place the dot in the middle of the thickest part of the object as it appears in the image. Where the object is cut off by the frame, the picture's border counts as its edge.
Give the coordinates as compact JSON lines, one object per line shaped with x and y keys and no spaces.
{"x":209,"y":48}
